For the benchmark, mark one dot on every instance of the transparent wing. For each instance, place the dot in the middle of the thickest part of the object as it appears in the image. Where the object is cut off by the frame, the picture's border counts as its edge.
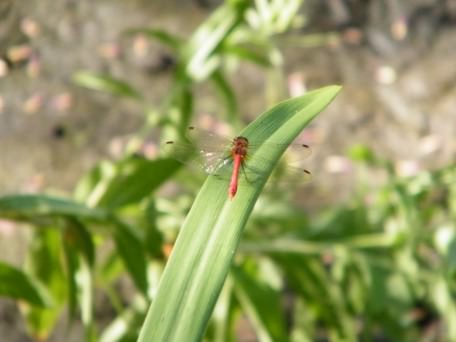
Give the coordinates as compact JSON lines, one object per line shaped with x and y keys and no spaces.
{"x":211,"y":153}
{"x":208,"y":141}
{"x":195,"y":157}
{"x":283,"y":172}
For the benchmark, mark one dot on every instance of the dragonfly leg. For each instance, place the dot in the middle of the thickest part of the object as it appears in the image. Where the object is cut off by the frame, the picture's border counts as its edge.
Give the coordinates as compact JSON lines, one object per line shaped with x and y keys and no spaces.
{"x":245,"y":173}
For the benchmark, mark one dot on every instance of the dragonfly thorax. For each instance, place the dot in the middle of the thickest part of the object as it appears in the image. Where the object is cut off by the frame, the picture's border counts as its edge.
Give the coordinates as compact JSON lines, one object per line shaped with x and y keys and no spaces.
{"x":240,"y":146}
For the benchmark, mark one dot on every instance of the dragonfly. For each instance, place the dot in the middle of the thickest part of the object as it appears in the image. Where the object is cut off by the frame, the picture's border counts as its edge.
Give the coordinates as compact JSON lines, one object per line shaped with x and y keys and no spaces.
{"x":229,"y":159}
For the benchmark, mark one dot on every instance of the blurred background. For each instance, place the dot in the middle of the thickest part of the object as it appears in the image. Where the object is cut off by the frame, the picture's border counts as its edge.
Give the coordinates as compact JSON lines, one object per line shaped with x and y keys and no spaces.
{"x":90,"y":89}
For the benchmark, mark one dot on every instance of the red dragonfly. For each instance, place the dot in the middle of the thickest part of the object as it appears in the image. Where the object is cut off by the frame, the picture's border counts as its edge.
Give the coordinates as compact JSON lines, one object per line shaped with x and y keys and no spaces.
{"x":216,"y":153}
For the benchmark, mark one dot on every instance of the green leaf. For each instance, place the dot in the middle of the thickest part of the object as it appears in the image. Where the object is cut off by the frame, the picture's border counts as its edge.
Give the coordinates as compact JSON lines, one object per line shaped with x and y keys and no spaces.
{"x":86,"y":189}
{"x":132,"y":252}
{"x":80,"y":284}
{"x":44,"y":263}
{"x":30,"y":207}
{"x":106,"y":84}
{"x":80,"y":239}
{"x":79,"y":256}
{"x":262,"y":303}
{"x":200,"y":52}
{"x":211,"y":233}
{"x":153,"y":237}
{"x":325,"y":299}
{"x":16,"y":284}
{"x":223,"y":318}
{"x":133,"y":179}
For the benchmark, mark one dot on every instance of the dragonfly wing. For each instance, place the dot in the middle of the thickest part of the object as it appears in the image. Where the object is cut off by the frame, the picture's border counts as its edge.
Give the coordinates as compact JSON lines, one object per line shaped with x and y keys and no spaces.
{"x":295,"y":152}
{"x":285,"y":171}
{"x":207,"y":141}
{"x":193,"y":156}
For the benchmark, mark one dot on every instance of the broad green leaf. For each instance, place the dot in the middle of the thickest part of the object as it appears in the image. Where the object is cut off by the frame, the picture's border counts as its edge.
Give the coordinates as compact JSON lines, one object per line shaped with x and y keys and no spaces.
{"x":133,"y":179}
{"x":211,"y":233}
{"x":18,"y":285}
{"x":106,"y":84}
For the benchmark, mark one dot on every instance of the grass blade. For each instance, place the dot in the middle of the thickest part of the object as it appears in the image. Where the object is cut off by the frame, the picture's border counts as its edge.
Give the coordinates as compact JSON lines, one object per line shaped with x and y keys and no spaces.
{"x":211,"y":233}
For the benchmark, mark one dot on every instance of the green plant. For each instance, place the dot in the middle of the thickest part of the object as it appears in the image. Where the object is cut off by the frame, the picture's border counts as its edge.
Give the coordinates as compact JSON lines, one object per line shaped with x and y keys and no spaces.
{"x":208,"y":240}
{"x":115,"y":200}
{"x":380,"y":266}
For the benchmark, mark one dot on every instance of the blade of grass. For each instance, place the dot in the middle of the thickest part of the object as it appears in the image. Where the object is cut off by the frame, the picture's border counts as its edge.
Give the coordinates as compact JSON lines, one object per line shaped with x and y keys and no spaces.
{"x":211,"y":233}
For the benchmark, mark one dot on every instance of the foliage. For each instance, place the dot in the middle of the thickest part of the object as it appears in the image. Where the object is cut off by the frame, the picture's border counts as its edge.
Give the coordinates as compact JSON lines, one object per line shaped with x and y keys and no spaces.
{"x":381,"y":266}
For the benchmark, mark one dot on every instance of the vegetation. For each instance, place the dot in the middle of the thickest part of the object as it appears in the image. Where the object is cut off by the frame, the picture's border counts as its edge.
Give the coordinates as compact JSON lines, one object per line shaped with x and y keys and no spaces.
{"x":380,"y":266}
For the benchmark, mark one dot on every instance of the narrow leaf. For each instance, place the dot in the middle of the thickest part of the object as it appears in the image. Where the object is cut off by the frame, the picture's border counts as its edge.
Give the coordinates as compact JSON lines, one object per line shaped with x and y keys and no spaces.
{"x":28,"y":207}
{"x":211,"y":233}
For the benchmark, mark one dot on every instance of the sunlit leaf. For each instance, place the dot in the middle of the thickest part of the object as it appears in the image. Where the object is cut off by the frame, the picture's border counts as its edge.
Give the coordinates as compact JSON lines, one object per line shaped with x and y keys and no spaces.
{"x":203,"y":251}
